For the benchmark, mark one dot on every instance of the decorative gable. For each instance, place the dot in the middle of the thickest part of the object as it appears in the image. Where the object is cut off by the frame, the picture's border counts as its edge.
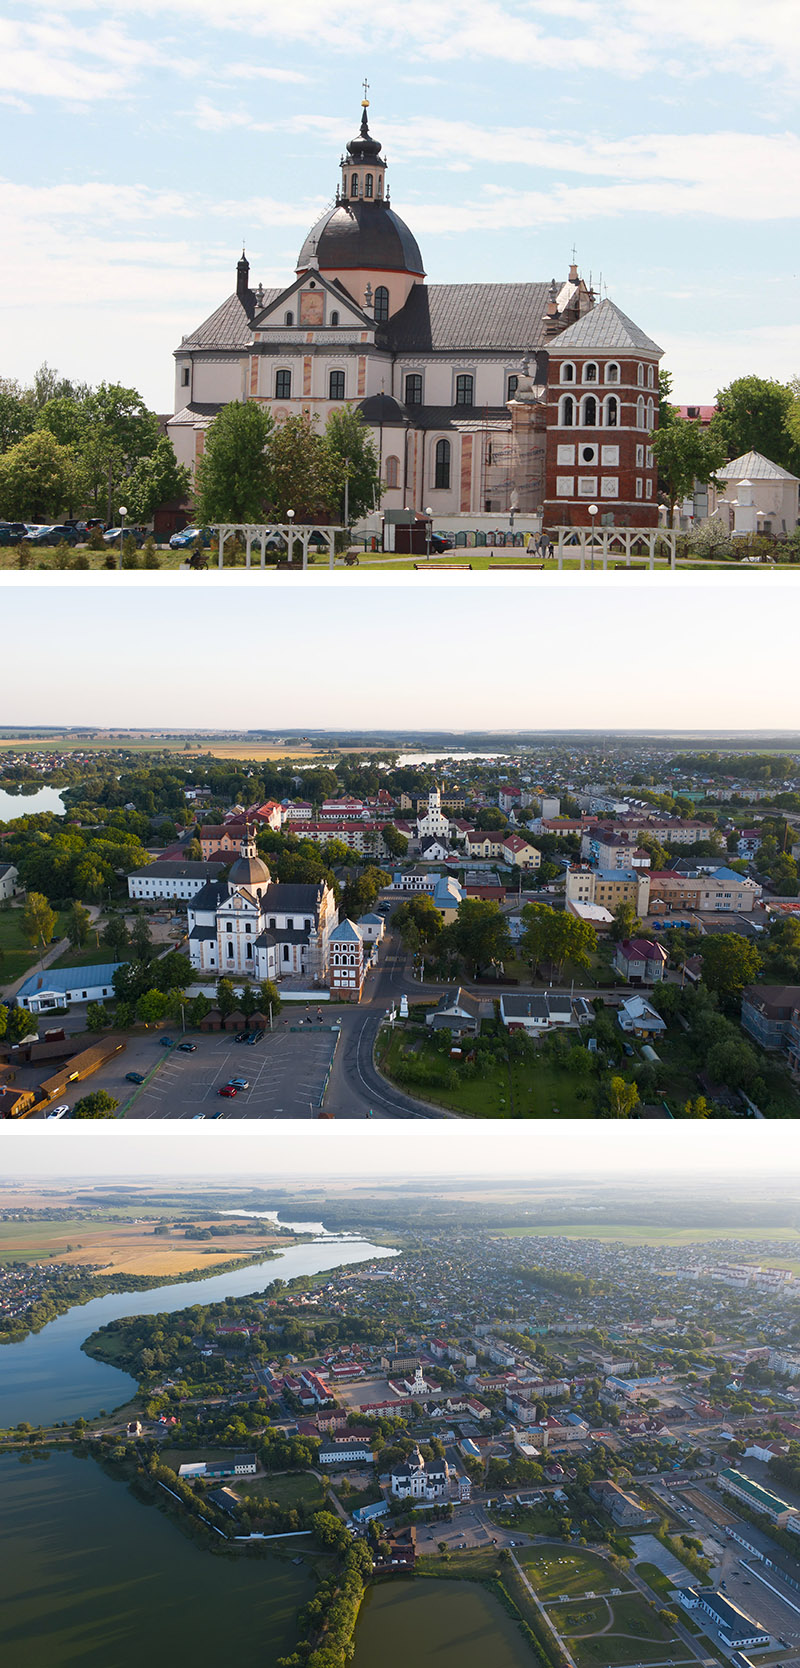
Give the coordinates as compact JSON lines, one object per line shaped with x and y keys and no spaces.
{"x":308,"y":304}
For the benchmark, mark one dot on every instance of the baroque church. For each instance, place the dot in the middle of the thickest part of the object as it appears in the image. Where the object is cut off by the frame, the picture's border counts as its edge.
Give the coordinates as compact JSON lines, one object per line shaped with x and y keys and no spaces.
{"x":263,"y":929}
{"x":483,"y":399}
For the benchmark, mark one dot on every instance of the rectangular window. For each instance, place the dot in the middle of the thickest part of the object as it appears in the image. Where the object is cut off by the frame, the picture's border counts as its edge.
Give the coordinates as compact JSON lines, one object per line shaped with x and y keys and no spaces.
{"x":565,"y":486}
{"x":640,"y":457}
{"x":464,"y":389}
{"x":185,"y":377}
{"x":413,"y":389}
{"x":336,"y":385}
{"x":283,"y":385}
{"x":638,"y":486}
{"x":649,"y":457}
{"x":649,"y":489}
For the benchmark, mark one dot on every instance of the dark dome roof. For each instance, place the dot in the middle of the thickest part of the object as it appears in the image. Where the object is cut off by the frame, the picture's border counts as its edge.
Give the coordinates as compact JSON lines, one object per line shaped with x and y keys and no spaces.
{"x":249,"y":871}
{"x":382,"y":412}
{"x":362,"y":234}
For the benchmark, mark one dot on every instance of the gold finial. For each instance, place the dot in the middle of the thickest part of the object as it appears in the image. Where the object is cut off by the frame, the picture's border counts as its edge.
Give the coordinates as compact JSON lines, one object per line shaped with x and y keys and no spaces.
{"x":365,"y":100}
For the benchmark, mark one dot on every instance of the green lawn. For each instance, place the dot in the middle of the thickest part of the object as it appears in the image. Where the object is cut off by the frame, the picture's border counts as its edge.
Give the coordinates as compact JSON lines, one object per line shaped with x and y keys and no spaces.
{"x":17,"y":956}
{"x":560,"y":1570}
{"x":289,"y":1490}
{"x":93,"y":953}
{"x":635,"y":1633}
{"x":471,"y":1565}
{"x":518,"y":1090}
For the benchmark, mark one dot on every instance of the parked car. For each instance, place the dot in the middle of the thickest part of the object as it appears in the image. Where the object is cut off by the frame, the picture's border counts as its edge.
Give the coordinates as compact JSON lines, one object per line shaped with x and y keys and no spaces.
{"x":439,"y":543}
{"x":237,"y":1083}
{"x":133,"y":1077}
{"x":241,"y":1036}
{"x":187,"y":1048}
{"x":114,"y":534}
{"x":11,"y":532}
{"x":228,"y":1091}
{"x":58,"y":1111}
{"x":253,"y":1037}
{"x":167,"y":1042}
{"x":52,"y":535}
{"x":187,"y":536}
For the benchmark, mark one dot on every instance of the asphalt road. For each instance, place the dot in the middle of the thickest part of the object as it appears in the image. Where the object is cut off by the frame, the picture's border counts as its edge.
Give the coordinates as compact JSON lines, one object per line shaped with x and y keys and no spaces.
{"x":356,"y":1089}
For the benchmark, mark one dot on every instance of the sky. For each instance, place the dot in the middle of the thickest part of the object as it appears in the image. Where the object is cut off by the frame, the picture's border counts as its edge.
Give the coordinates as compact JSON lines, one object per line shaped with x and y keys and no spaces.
{"x":253,"y":1152}
{"x":568,"y":655}
{"x":143,"y":140}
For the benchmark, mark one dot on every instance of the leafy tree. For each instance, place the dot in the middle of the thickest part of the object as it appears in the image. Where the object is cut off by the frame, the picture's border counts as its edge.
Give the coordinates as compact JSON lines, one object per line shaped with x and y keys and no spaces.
{"x":99,"y":1104}
{"x":17,"y":414}
{"x":626,"y":921}
{"x":78,"y":923}
{"x":226,"y":997}
{"x":395,"y":842}
{"x":352,"y":449}
{"x":38,"y":920}
{"x":480,"y":933}
{"x":115,"y":934}
{"x":732,"y":1062}
{"x":490,"y":816}
{"x":141,"y":942}
{"x":360,"y":894}
{"x":623,"y":1098}
{"x":38,"y":479}
{"x":754,"y":415}
{"x":697,"y":1108}
{"x":120,"y":431}
{"x":418,"y":921}
{"x":686,"y":452}
{"x":270,"y":995}
{"x":730,"y":961}
{"x":156,"y":479}
{"x":96,"y":1017}
{"x":152,"y":1008}
{"x":234,"y":478}
{"x":21,"y":1024}
{"x":305,"y":475}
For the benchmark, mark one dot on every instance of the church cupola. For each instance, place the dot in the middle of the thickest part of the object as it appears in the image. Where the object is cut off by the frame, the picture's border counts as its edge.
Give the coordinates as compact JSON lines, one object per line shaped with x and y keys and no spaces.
{"x":363,"y":168}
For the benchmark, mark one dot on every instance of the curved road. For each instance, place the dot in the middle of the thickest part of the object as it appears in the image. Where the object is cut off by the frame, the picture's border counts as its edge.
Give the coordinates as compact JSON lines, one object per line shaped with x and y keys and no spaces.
{"x":356,"y":1088}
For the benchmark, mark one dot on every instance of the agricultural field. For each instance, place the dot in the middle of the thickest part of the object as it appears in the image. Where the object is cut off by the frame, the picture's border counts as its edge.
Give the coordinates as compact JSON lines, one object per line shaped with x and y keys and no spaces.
{"x":122,"y":1247}
{"x":635,"y":1235}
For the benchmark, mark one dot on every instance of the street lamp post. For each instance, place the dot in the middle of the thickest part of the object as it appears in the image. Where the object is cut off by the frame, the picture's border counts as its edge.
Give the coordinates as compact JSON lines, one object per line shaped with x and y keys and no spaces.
{"x":593,"y":514}
{"x":290,"y":519}
{"x":122,"y":514}
{"x":429,"y":514}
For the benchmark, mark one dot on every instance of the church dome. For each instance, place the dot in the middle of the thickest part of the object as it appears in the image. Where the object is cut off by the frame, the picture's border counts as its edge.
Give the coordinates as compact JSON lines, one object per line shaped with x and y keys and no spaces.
{"x":364,"y":235}
{"x":249,"y":871}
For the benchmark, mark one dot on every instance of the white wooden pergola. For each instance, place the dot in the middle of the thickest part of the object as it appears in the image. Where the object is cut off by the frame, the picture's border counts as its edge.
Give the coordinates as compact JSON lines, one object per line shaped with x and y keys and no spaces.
{"x":256,"y":535}
{"x":597,"y":546}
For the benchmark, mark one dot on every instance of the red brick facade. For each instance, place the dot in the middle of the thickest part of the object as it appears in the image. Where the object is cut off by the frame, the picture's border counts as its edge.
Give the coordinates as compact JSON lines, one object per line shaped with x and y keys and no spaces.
{"x":602,"y":407}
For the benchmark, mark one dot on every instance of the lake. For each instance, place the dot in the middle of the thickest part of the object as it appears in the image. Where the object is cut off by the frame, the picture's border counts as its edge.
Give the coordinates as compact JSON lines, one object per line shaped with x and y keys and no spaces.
{"x":13,"y":805}
{"x":432,"y":758}
{"x":47,"y":1377}
{"x":452,"y":1624}
{"x":89,"y":1576}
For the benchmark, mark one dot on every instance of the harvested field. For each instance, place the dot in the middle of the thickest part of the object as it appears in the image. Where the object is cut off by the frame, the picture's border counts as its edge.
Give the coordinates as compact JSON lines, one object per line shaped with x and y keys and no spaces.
{"x":124,"y":1247}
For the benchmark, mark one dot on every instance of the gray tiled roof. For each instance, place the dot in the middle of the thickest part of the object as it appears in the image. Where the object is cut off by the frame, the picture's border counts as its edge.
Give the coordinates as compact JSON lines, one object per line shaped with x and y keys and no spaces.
{"x":753,"y":466}
{"x":458,"y":417}
{"x":506,"y":317}
{"x":177,"y":871}
{"x":188,"y":416}
{"x":229,"y":327}
{"x":606,"y":326}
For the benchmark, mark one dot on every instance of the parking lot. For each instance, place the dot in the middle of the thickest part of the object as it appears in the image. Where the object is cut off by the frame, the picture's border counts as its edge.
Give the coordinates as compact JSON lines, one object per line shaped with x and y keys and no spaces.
{"x":286,"y":1073}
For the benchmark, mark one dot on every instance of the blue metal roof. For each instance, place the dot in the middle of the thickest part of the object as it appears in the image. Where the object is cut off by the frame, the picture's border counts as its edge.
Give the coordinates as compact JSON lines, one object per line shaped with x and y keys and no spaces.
{"x":63,"y":979}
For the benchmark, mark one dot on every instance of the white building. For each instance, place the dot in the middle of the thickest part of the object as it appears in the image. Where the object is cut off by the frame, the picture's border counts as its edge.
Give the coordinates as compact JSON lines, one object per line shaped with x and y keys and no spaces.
{"x":433,"y":821}
{"x":176,"y":882}
{"x":756,"y":496}
{"x":253,"y":926}
{"x":58,"y":987}
{"x":419,"y":1479}
{"x":9,"y":881}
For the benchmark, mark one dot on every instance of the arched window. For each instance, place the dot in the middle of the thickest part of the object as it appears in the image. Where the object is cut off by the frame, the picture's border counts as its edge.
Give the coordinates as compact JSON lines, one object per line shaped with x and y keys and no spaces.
{"x":392,"y":472}
{"x":381,"y":304}
{"x":612,"y":411}
{"x":513,"y":384}
{"x":413,"y":389}
{"x":334,"y":318}
{"x":651,"y":377}
{"x":442,"y":475}
{"x":566,"y":416}
{"x":640,"y":376}
{"x":590,"y":412}
{"x":336,"y":385}
{"x":288,"y":318}
{"x":640,"y":412}
{"x":567,"y":372}
{"x":590,"y":372}
{"x":464,"y":389}
{"x":368,"y":186}
{"x":612,"y":373}
{"x":651,"y":415}
{"x":354,"y":186}
{"x":380,"y":185}
{"x":283,"y":385}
